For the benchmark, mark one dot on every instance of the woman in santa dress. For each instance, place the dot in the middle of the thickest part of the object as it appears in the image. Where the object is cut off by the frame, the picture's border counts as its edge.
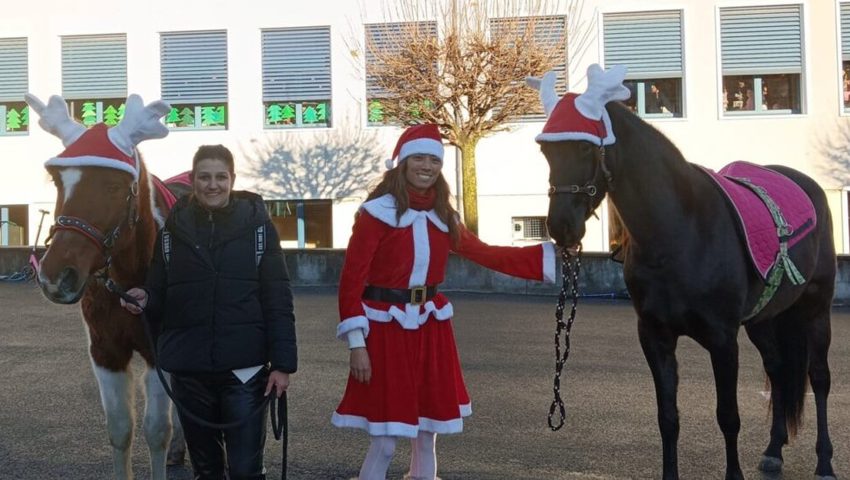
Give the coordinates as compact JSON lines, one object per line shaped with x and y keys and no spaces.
{"x":405,"y":378}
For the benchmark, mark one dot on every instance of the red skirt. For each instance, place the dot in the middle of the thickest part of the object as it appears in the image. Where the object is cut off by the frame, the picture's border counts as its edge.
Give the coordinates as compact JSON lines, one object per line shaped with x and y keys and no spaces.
{"x":417,"y":383}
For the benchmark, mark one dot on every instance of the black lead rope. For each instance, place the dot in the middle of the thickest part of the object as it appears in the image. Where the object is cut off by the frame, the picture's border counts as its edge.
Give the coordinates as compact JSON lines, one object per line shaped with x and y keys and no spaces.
{"x":278,"y":406}
{"x":570,"y":265}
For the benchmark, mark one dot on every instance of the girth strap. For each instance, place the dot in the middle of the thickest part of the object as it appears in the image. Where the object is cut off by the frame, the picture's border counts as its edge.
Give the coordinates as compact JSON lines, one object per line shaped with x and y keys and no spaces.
{"x":783,"y":263}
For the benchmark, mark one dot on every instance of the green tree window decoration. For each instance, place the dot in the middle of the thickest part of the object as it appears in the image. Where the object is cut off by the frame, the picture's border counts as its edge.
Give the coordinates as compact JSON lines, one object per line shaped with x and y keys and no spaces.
{"x":274,"y":114}
{"x":208,"y":116}
{"x":120,"y":112}
{"x":310,"y":115}
{"x":187,"y":118}
{"x":88,"y":113}
{"x":173,"y":117}
{"x":322,"y":112}
{"x":288,"y":114}
{"x":25,"y":116}
{"x":110,"y":116}
{"x":219,"y":115}
{"x":376,"y":112}
{"x":13,"y":120}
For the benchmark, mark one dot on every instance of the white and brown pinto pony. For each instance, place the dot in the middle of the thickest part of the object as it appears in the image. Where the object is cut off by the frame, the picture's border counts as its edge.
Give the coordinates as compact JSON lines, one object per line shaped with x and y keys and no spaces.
{"x":107,"y":214}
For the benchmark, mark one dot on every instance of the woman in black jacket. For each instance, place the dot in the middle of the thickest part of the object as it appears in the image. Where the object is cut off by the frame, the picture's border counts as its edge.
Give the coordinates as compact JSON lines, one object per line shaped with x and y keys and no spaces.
{"x":219,"y":301}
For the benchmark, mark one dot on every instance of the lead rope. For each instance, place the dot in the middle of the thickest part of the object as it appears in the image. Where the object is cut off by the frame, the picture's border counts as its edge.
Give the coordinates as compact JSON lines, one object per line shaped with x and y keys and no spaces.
{"x":570,"y":266}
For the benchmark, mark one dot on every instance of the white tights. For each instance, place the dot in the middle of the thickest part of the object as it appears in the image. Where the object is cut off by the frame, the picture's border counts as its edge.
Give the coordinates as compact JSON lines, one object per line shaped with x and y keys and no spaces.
{"x":423,"y":457}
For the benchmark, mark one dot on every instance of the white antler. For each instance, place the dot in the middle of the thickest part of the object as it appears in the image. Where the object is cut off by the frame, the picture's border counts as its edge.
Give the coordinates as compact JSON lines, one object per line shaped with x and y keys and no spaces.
{"x":603,"y":86}
{"x":54,"y":118}
{"x":546,"y":86}
{"x":140,"y":123}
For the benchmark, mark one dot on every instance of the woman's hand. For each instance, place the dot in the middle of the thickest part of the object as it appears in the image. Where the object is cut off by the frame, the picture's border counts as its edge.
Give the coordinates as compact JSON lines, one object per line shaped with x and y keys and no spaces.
{"x":140,"y":295}
{"x":279,"y":381}
{"x":361,"y":368}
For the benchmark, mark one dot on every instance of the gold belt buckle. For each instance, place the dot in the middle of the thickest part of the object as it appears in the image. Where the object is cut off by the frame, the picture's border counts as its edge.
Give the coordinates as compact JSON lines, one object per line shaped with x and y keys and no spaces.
{"x":417,"y":295}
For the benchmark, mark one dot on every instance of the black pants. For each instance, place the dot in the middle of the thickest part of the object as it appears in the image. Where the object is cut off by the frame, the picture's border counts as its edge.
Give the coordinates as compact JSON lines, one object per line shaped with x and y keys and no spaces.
{"x":223,"y":398}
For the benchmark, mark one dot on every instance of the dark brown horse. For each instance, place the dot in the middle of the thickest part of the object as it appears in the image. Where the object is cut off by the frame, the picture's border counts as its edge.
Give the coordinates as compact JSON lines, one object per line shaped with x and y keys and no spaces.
{"x":107,"y":213}
{"x":688,"y":270}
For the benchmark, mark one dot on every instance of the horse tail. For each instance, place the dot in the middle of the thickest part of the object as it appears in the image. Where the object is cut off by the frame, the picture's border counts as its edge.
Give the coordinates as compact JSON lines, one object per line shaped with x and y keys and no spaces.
{"x":793,"y":369}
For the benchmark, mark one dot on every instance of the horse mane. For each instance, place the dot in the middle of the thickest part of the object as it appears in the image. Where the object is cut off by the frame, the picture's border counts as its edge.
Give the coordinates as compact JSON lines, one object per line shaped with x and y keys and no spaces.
{"x":641,"y":135}
{"x":134,"y":249}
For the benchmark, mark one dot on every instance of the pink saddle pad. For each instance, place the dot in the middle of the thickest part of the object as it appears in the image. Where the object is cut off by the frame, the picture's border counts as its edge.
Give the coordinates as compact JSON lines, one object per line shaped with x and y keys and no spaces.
{"x":758,"y":225}
{"x":164,"y":192}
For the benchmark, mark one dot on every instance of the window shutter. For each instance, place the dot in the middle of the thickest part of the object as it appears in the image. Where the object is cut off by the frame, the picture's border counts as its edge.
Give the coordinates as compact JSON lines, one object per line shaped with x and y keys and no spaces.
{"x":13,"y":69}
{"x":845,"y":31}
{"x":549,"y":31}
{"x":194,"y":67}
{"x":94,"y":66}
{"x":386,"y":37}
{"x":648,"y":43}
{"x":761,"y":40}
{"x":297,"y":64}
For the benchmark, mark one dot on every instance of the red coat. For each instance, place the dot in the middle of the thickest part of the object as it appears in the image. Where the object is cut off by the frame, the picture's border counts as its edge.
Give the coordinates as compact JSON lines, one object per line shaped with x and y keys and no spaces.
{"x":416,"y":381}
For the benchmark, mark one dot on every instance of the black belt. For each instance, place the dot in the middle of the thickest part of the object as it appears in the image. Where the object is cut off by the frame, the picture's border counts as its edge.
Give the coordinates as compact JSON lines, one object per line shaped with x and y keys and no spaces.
{"x":415,"y":295}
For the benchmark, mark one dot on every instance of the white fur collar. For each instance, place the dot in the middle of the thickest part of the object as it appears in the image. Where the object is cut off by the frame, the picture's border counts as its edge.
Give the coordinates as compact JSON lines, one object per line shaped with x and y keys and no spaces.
{"x":384,"y":209}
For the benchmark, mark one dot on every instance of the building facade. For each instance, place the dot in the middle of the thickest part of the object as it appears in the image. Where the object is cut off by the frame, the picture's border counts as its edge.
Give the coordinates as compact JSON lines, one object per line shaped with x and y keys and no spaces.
{"x":285,"y":86}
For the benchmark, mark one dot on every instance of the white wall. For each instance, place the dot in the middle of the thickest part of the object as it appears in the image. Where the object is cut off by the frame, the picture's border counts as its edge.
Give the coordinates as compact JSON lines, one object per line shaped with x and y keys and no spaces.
{"x":512,"y":173}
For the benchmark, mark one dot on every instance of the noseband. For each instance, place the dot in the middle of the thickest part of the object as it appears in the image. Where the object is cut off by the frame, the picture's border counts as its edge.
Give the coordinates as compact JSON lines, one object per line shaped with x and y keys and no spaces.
{"x":103,"y":242}
{"x":589,"y":187}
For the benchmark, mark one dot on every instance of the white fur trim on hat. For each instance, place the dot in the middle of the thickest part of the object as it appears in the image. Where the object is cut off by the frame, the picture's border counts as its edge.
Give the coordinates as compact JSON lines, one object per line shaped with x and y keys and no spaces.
{"x":92,"y":161}
{"x":425,"y":146}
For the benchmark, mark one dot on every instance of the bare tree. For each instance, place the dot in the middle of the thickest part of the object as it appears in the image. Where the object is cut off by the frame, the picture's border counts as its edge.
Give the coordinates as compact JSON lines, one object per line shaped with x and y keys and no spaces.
{"x":464,"y":70}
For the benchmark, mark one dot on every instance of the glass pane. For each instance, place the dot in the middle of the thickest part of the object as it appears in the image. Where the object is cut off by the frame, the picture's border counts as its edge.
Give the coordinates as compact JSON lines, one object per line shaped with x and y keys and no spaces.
{"x":16,"y":117}
{"x":846,"y":84}
{"x":194,"y":115}
{"x":663,"y":95}
{"x":781,"y":92}
{"x":738,"y":94}
{"x":762,"y":93}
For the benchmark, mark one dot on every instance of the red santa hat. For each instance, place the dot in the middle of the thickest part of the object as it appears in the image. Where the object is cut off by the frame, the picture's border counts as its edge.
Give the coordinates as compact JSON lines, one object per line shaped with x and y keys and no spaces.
{"x":422,"y":139}
{"x":95,"y":149}
{"x":101,"y":146}
{"x":581,"y":117}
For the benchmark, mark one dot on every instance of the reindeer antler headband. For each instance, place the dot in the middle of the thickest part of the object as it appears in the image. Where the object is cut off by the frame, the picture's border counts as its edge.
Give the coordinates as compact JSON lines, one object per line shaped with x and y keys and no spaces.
{"x":101,"y":146}
{"x":581,"y":117}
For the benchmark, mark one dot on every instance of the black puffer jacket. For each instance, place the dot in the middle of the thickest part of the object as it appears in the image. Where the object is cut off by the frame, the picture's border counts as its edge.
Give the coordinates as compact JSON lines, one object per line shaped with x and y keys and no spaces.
{"x":212,"y":307}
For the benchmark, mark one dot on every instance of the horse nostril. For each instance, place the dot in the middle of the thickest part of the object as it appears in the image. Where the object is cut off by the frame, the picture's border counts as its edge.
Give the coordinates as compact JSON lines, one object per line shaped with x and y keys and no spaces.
{"x":68,"y":280}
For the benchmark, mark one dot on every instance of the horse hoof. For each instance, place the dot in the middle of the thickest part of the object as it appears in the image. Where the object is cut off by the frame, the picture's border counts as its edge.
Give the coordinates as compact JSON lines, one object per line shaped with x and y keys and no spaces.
{"x":770,"y":464}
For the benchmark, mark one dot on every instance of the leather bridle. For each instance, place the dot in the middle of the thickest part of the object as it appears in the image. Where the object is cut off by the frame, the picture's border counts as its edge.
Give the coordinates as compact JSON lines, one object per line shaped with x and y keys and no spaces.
{"x":589,"y":188}
{"x":104,"y":242}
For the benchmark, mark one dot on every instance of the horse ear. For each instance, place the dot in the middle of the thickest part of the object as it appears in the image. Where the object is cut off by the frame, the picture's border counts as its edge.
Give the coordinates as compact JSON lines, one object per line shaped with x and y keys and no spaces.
{"x":546,"y":86}
{"x":140,"y":123}
{"x":55,"y":119}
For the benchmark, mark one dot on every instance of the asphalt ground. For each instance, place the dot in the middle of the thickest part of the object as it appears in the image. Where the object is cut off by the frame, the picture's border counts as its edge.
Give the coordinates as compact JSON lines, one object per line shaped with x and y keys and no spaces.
{"x":52,"y":425}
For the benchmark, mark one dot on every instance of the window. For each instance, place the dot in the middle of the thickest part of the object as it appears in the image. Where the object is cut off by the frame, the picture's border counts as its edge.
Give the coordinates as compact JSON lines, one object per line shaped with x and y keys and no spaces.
{"x":529,"y":228}
{"x":761,"y":49}
{"x":94,"y":77}
{"x":650,"y":45}
{"x":845,"y":55}
{"x":194,"y":79}
{"x":14,"y":113}
{"x":13,"y":225}
{"x":297,"y":77}
{"x":387,"y":38}
{"x":302,"y":223}
{"x":548,"y":35}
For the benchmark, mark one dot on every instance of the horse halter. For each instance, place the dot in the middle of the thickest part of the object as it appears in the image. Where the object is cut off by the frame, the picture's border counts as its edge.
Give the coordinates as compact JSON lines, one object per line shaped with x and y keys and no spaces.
{"x":589,"y":188}
{"x":104,"y":242}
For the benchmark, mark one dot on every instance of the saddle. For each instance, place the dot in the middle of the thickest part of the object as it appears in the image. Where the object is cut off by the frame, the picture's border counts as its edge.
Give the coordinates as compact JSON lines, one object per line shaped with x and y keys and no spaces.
{"x":774,"y":213}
